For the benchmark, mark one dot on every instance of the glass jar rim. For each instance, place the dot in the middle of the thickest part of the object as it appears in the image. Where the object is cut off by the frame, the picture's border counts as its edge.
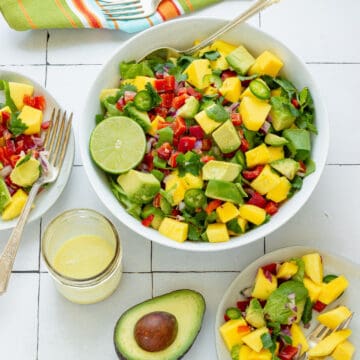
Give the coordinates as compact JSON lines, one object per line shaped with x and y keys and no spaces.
{"x":92,"y":280}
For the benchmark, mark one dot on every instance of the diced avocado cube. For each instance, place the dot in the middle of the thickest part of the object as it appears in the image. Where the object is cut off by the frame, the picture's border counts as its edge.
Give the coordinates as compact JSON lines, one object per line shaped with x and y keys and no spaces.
{"x":207,"y":124}
{"x":138,"y":186}
{"x":18,"y":91}
{"x":217,"y":233}
{"x":32,"y":118}
{"x":107,"y":93}
{"x":231,"y":89}
{"x":15,"y":206}
{"x":174,"y":229}
{"x":275,"y":140}
{"x":5,"y":196}
{"x":299,"y":143}
{"x":141,"y":117}
{"x":226,"y":137}
{"x":223,"y":190}
{"x":253,"y":112}
{"x":189,"y":109}
{"x":240,"y":60}
{"x":220,"y":170}
{"x":280,"y":191}
{"x":281,"y":115}
{"x":276,"y":153}
{"x":266,"y":64}
{"x":287,"y":167}
{"x":254,"y":314}
{"x":257,"y":156}
{"x":196,"y":73}
{"x":266,"y":180}
{"x":25,"y":173}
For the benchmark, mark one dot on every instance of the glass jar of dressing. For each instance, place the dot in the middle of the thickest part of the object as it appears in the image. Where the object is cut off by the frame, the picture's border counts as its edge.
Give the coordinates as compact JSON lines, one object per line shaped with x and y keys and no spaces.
{"x":83,"y":253}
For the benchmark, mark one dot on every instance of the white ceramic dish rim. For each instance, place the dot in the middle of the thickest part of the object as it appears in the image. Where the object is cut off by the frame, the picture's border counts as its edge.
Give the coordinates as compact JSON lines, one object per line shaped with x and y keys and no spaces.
{"x":291,"y":207}
{"x":343,"y":265}
{"x":48,"y":197}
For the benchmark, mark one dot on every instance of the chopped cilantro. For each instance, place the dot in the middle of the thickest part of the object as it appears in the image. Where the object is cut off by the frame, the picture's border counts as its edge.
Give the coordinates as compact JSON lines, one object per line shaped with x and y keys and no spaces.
{"x":189,"y":163}
{"x":24,"y":159}
{"x":211,"y":55}
{"x":16,"y":126}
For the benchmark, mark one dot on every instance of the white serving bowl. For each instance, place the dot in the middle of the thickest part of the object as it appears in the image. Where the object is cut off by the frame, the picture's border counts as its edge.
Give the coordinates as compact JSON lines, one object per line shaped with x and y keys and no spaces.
{"x":180,"y":34}
{"x":47,"y":198}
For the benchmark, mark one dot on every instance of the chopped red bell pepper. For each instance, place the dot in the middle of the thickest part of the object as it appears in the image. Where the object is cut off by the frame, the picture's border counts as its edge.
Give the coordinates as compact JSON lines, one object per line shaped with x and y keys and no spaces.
{"x":206,"y":144}
{"x":3,"y":158}
{"x":243,"y":304}
{"x":257,"y":200}
{"x":175,"y":212}
{"x":164,"y":151}
{"x":14,"y":159}
{"x":207,"y":158}
{"x":5,"y":116}
{"x":227,"y":73}
{"x":270,"y":267}
{"x":244,"y":147}
{"x":37,"y":102}
{"x":186,"y":143}
{"x":167,"y":99}
{"x":271,"y":208}
{"x":149,"y":161}
{"x":212,"y":205}
{"x":179,"y":101}
{"x":147,"y":221}
{"x":172,"y":161}
{"x":19,"y":146}
{"x":181,"y":91}
{"x":192,"y":92}
{"x":165,"y":84}
{"x":226,"y":318}
{"x":157,"y":200}
{"x":236,"y":119}
{"x":295,"y":103}
{"x":10,"y":147}
{"x":288,"y":352}
{"x":243,"y":329}
{"x":45,"y":125}
{"x":319,"y":306}
{"x":252,"y":174}
{"x":196,"y":131}
{"x":302,"y":166}
{"x":179,"y":126}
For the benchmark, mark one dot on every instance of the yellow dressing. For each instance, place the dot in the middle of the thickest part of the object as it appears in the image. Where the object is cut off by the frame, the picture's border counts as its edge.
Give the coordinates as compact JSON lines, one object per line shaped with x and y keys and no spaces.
{"x":83,"y":256}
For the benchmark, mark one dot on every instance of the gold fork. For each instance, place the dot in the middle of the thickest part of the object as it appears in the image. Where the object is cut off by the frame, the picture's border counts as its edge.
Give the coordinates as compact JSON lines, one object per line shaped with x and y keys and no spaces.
{"x":55,"y":143}
{"x":322,"y":331}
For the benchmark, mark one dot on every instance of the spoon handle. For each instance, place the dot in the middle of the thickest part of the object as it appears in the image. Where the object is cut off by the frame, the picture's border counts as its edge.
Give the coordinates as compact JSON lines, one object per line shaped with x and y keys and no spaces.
{"x":254,"y":9}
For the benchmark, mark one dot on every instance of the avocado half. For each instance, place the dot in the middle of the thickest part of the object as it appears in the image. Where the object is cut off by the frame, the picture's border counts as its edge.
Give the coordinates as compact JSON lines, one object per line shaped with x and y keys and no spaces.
{"x":187,"y":306}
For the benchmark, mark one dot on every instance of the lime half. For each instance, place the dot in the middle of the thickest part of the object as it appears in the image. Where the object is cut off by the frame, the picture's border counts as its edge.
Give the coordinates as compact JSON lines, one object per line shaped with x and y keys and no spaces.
{"x":117,"y":144}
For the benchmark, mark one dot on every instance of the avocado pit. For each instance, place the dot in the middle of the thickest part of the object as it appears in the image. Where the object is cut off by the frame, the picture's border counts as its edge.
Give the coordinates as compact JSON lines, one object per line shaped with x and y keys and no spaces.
{"x":156,"y":331}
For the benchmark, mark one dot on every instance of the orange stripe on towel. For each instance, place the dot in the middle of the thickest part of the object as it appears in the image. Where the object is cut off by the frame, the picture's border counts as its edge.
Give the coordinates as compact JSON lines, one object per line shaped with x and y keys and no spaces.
{"x":190,"y":5}
{"x":93,"y":21}
{"x":63,"y":10}
{"x":168,"y":10}
{"x":26,"y":14}
{"x":116,"y":25}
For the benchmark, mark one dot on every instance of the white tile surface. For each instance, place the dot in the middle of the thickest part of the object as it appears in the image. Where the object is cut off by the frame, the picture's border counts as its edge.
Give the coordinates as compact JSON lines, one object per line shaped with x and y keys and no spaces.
{"x":83,"y":332}
{"x":339,"y":87}
{"x":329,"y":220}
{"x":321,"y":30}
{"x":167,"y":259}
{"x":18,"y":314}
{"x":205,"y":284}
{"x":79,"y":194}
{"x":35,"y":72}
{"x":21,"y":47}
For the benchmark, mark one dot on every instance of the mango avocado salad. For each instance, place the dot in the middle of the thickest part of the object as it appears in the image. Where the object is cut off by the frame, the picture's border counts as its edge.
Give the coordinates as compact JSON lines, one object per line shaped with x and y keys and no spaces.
{"x":22,"y":156}
{"x":204,"y":147}
{"x":269,"y":321}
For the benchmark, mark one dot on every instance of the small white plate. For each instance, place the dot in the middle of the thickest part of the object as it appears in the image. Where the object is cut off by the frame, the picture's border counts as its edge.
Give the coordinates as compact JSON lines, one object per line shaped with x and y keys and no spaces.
{"x":50,"y":194}
{"x":332,"y":265}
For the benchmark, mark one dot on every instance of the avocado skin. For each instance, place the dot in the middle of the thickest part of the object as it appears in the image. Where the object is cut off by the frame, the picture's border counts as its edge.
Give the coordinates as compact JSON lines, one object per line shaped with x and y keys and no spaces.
{"x":122,"y":357}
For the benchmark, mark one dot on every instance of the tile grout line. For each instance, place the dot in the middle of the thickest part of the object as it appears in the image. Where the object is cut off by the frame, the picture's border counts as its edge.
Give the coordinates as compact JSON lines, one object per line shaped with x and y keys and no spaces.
{"x":38,"y":320}
{"x":46,"y":56}
{"x":151,"y":269}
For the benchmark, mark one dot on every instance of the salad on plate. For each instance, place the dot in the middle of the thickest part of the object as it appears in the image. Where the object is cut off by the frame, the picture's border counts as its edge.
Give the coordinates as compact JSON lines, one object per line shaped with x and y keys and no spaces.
{"x":204,"y":147}
{"x":22,"y":155}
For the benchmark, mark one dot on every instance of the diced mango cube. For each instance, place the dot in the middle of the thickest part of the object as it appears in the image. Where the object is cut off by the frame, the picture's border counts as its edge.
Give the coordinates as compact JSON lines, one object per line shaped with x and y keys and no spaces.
{"x":140,"y":82}
{"x":334,"y":317}
{"x":244,"y":352}
{"x":242,"y":223}
{"x":313,"y":267}
{"x":6,"y":109}
{"x":287,"y":270}
{"x":276,"y":92}
{"x":326,"y":346}
{"x":266,"y":181}
{"x":266,"y":64}
{"x":176,"y":187}
{"x":264,"y":354}
{"x":253,"y":112}
{"x":107,"y":92}
{"x":312,"y":288}
{"x":217,"y":233}
{"x":280,"y":191}
{"x":210,"y":90}
{"x":298,"y":338}
{"x":276,"y":153}
{"x":14,"y":208}
{"x":18,"y":91}
{"x":196,"y":73}
{"x":344,"y":351}
{"x":174,"y":229}
{"x":207,"y":124}
{"x":231,"y":334}
{"x":253,"y":340}
{"x":252,"y":213}
{"x":257,"y":156}
{"x":249,"y":93}
{"x":32,"y":118}
{"x":227,"y":212}
{"x":224,"y":49}
{"x":332,"y":290}
{"x":264,"y":286}
{"x":192,"y":182}
{"x":155,"y":123}
{"x":231,"y":89}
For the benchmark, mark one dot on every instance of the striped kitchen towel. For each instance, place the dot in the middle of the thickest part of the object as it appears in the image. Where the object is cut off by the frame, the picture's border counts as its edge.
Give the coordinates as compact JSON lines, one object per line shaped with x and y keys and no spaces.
{"x":46,"y":14}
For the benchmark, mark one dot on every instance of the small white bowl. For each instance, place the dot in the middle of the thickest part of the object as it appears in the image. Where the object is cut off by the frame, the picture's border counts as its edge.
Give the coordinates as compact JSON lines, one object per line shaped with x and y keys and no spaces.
{"x":46,"y":199}
{"x":180,"y":34}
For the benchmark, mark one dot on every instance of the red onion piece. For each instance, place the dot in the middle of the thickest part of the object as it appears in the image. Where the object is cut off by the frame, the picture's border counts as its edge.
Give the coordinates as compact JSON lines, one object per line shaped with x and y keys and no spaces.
{"x":5,"y":171}
{"x":265,"y":127}
{"x":38,"y":141}
{"x":233,"y":107}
